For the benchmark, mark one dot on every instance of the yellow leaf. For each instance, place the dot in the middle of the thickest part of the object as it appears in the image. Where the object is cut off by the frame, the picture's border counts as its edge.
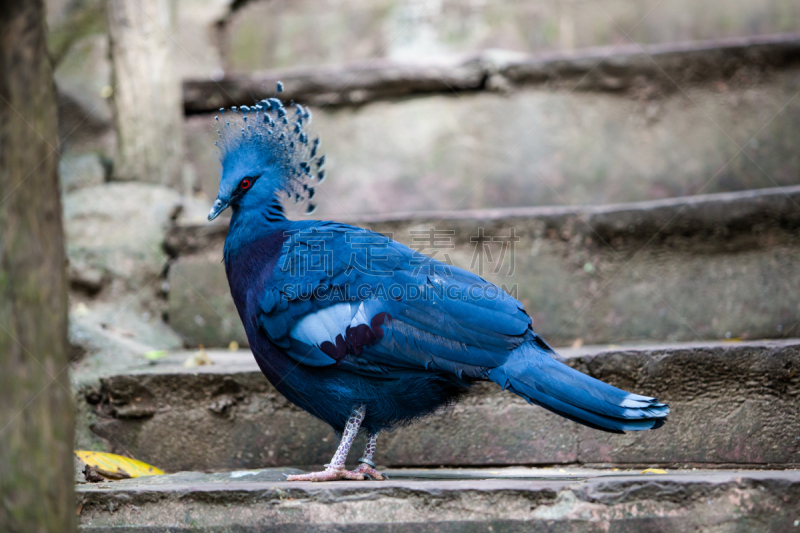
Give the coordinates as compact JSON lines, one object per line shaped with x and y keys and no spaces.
{"x":155,"y":354}
{"x":654,"y":471}
{"x":116,"y":466}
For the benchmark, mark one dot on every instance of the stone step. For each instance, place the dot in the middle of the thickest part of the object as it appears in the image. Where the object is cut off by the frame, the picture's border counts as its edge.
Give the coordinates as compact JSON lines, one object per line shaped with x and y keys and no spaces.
{"x":685,"y":269}
{"x":440,"y":501}
{"x":611,"y":68}
{"x":733,"y":404}
{"x":587,"y":126}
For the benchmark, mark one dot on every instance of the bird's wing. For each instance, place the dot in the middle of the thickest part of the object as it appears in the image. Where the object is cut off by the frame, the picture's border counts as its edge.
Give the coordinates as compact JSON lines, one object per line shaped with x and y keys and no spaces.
{"x":348,"y":296}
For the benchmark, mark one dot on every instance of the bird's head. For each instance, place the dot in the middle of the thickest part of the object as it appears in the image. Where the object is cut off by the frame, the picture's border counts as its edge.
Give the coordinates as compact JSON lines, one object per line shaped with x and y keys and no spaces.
{"x":266,"y":155}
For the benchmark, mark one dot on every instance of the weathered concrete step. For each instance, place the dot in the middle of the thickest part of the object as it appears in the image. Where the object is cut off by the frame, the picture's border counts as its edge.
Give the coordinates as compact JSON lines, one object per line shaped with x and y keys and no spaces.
{"x":613,"y":68}
{"x":683,"y":269}
{"x":732,"y":404}
{"x":542,"y":501}
{"x":622,"y":124}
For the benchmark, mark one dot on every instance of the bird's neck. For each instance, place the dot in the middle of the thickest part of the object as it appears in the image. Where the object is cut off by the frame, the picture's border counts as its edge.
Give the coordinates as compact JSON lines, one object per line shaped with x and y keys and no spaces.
{"x":250,"y":226}
{"x":251,"y":223}
{"x":252,"y":248}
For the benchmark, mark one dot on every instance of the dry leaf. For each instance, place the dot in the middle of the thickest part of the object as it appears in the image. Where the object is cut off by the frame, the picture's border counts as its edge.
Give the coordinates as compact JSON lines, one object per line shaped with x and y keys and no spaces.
{"x":115,"y":466}
{"x":654,"y":471}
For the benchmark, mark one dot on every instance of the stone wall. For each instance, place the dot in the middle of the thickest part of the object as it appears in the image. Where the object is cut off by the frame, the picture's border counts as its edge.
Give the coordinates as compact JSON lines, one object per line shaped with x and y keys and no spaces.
{"x":544,"y":146}
{"x":266,"y":34}
{"x":673,"y":270}
{"x":533,"y":121}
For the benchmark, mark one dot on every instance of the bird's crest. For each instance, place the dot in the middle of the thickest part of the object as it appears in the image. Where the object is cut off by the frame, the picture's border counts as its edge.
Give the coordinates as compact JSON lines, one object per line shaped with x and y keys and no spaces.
{"x":272,"y":131}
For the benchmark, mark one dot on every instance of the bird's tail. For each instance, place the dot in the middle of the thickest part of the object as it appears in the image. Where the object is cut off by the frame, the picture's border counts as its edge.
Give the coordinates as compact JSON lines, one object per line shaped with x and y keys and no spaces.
{"x":533,"y":373}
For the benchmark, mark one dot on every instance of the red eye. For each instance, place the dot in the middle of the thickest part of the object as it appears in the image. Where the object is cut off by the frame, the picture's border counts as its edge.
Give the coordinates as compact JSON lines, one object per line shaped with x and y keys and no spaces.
{"x":245,"y":184}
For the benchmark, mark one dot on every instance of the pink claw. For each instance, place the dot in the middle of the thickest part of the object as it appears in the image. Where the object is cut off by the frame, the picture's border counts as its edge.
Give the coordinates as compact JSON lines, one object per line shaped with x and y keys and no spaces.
{"x":367,"y":470}
{"x":329,"y":474}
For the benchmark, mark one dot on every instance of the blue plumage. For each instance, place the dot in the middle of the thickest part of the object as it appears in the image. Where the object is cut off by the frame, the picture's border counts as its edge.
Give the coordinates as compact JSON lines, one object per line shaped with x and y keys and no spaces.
{"x":341,"y":318}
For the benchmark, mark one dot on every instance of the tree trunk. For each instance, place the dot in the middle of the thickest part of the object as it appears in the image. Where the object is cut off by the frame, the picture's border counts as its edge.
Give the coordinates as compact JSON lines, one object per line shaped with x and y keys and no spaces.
{"x":147,"y":92}
{"x":36,"y":419}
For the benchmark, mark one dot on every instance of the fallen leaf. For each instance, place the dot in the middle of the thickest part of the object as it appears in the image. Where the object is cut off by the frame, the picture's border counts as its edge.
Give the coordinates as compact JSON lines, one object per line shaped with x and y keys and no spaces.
{"x":654,"y":471}
{"x":154,"y":355}
{"x":115,"y":466}
{"x":577,"y":343}
{"x":233,"y":346}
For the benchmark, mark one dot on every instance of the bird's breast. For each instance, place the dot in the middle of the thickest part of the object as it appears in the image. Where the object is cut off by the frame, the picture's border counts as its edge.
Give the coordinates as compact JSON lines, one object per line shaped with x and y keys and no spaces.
{"x":250,"y":268}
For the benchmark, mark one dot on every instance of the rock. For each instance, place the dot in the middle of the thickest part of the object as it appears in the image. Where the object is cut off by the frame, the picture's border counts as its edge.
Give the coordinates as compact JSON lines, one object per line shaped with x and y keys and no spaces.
{"x":261,"y":34}
{"x":80,"y":170}
{"x":192,"y":210}
{"x":83,"y":84}
{"x":198,"y":52}
{"x":200,"y":305}
{"x":115,"y":335}
{"x":541,"y":147}
{"x":85,"y":278}
{"x":732,"y":403}
{"x":605,"y":274}
{"x":107,"y":338}
{"x":511,"y":501}
{"x":117,"y":229}
{"x":84,"y":73}
{"x":79,"y":468}
{"x":91,"y":475}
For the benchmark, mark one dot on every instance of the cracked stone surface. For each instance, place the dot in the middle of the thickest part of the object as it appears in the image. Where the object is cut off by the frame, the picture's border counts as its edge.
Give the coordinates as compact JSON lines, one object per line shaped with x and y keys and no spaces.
{"x":733,"y":404}
{"x":444,"y":500}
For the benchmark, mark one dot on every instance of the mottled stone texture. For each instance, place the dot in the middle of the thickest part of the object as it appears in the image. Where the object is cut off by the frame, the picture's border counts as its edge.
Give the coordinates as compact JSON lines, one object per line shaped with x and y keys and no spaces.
{"x":686,"y":501}
{"x":114,"y":234}
{"x":546,"y":144}
{"x":203,"y":314}
{"x":263,"y":34}
{"x":732,"y":403}
{"x":711,"y":267}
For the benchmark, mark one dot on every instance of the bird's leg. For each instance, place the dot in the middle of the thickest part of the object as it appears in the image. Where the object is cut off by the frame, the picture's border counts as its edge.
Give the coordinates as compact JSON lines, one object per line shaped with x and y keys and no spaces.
{"x":335,"y":469}
{"x":367,"y":466}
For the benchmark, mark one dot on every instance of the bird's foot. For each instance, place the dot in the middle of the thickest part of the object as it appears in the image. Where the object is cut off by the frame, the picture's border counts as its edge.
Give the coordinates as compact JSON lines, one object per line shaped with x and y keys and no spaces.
{"x":370,"y":471}
{"x":329,"y":474}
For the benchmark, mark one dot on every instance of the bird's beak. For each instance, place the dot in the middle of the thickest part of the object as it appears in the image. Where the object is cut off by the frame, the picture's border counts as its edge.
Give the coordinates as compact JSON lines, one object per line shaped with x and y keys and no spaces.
{"x":218,"y":207}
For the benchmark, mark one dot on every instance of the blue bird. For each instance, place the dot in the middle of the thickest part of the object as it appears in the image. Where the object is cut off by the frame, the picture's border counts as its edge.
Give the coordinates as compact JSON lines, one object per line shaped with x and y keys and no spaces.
{"x":363,"y":332}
